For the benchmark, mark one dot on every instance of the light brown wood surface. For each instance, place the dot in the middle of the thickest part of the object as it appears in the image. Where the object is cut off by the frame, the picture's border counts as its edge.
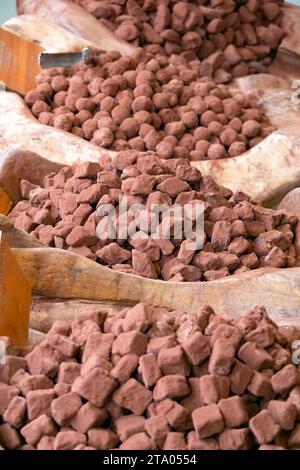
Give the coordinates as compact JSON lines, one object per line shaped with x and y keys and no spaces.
{"x":46,"y":310}
{"x":17,"y":164}
{"x":17,"y":238}
{"x":76,"y":20}
{"x":55,"y":273}
{"x":68,"y":283}
{"x":5,"y":202}
{"x":18,"y":62}
{"x":54,"y":144}
{"x":48,"y":36}
{"x":58,"y":274}
{"x":15,"y":297}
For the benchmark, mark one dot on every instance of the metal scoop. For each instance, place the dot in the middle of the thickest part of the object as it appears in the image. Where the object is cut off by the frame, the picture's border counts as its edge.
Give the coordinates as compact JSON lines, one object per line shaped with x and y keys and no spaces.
{"x":65,"y":59}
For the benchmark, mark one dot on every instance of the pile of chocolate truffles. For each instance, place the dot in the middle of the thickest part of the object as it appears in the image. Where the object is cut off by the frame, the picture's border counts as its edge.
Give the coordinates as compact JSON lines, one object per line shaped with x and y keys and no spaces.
{"x":241,"y":35}
{"x":149,"y":102}
{"x":239,"y":235}
{"x":148,"y":378}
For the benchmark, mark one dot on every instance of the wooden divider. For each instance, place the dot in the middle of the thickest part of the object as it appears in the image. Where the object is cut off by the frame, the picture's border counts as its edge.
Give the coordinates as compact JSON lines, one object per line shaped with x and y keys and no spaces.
{"x":15,"y":297}
{"x":5,"y":202}
{"x":18,"y":62}
{"x":64,"y":284}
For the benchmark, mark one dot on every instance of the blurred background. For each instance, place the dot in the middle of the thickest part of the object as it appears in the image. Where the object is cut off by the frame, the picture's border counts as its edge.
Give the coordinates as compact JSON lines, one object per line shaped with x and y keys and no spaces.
{"x":8,"y":9}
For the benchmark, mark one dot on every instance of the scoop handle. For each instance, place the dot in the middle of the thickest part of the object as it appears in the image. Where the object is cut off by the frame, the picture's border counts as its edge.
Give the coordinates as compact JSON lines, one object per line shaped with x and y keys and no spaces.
{"x":65,"y":59}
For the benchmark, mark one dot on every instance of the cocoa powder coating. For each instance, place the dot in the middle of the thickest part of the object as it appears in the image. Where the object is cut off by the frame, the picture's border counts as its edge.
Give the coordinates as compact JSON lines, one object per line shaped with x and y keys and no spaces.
{"x":149,"y":101}
{"x":148,"y":378}
{"x":70,"y":212}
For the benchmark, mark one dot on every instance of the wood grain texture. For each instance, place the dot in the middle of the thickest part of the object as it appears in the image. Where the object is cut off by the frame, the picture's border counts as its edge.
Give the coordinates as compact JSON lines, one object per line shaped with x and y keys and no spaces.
{"x":18,"y":62}
{"x":17,"y":164}
{"x":59,"y":274}
{"x":50,"y":37}
{"x":15,"y":297}
{"x":56,"y":273}
{"x":70,"y":283}
{"x":45,"y":311}
{"x":17,"y":238}
{"x":5,"y":202}
{"x":76,"y":20}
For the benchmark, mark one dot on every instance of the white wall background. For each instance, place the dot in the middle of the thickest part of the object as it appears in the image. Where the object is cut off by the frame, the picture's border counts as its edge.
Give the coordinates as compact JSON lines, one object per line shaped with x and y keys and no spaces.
{"x":8,"y":9}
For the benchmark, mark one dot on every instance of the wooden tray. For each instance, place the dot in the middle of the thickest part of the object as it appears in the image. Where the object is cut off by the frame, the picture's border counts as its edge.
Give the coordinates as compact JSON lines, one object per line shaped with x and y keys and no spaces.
{"x":49,"y":36}
{"x":65,"y":283}
{"x":255,"y":172}
{"x":55,"y":145}
{"x":59,"y":276}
